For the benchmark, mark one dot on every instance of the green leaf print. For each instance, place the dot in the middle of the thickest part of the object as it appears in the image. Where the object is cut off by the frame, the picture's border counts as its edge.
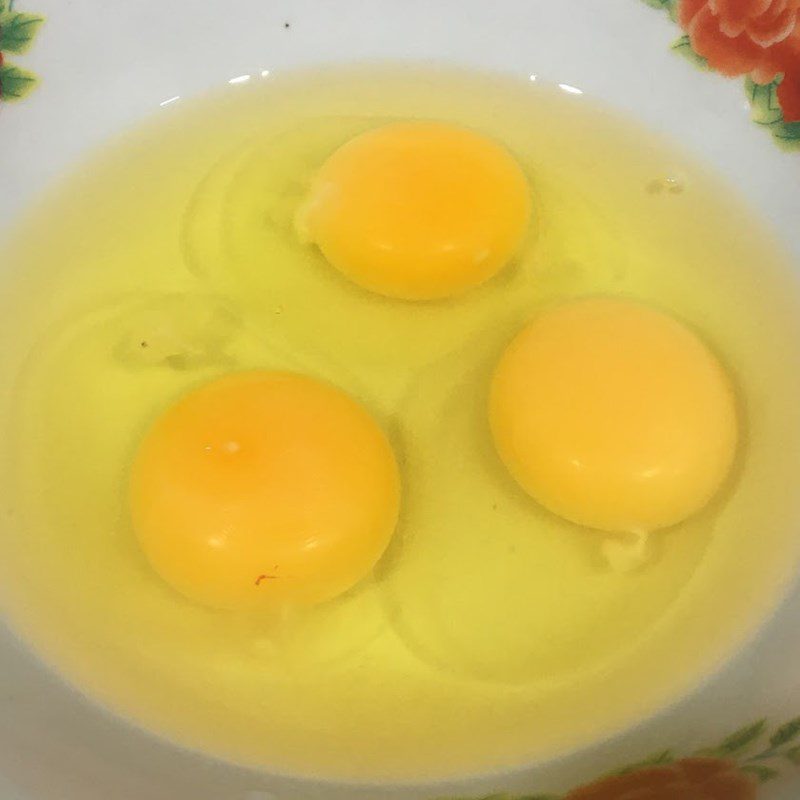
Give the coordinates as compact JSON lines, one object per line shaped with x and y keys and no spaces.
{"x":17,"y":31}
{"x":654,"y":760}
{"x":742,"y":738}
{"x":761,"y":772}
{"x":766,"y":109}
{"x":683,"y":46}
{"x":15,"y":83}
{"x":670,"y":6}
{"x":786,"y":733}
{"x":788,"y":133}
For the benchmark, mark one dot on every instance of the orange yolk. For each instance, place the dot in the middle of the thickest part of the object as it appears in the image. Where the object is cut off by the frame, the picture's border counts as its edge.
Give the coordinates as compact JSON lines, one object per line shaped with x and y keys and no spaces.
{"x":418,"y":210}
{"x":614,"y":415}
{"x":264,"y":488}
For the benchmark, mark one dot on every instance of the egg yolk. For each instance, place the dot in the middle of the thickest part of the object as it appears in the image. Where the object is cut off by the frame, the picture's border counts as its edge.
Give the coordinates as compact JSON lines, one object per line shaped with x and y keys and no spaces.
{"x":418,"y":210}
{"x":614,"y":415}
{"x":264,"y":488}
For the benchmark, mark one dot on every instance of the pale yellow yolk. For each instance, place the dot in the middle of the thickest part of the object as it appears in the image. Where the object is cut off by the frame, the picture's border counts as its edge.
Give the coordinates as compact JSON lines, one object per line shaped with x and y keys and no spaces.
{"x":614,"y":415}
{"x":264,"y":488}
{"x":418,"y":210}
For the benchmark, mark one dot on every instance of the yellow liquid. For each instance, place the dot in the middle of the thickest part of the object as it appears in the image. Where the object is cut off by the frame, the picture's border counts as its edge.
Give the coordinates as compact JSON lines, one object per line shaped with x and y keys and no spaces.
{"x":492,"y":633}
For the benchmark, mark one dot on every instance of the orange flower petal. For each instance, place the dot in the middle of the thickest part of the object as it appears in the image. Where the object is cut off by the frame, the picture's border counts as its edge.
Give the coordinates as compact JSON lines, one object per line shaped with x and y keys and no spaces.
{"x":674,"y":792}
{"x":767,"y":32}
{"x":688,"y":10}
{"x":731,"y":786}
{"x":789,"y":95}
{"x":698,"y":770}
{"x":764,"y":74}
{"x":730,"y":56}
{"x":622,"y":786}
{"x":736,"y":13}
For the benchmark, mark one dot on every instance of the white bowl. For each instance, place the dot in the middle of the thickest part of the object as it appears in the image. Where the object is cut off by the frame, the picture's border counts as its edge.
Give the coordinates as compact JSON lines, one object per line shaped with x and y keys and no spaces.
{"x":104,"y":66}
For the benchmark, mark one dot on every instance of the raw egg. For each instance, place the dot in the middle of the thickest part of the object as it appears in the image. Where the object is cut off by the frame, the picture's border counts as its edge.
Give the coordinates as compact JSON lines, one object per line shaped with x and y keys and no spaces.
{"x":418,"y":210}
{"x":263,"y":488}
{"x":614,"y":415}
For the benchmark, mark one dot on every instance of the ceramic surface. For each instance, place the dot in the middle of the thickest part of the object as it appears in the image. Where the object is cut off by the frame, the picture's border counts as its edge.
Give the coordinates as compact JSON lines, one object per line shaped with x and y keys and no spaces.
{"x":93,"y":68}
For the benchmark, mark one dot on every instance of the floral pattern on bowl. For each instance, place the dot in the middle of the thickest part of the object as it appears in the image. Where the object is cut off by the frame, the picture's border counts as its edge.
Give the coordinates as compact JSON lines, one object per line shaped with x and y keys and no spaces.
{"x":732,"y":770}
{"x":17,"y":32}
{"x":757,"y":39}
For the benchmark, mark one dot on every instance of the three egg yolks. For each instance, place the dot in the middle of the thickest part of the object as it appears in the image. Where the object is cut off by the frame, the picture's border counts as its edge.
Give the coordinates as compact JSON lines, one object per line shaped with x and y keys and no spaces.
{"x":614,"y":415}
{"x":418,"y":210}
{"x":263,"y":488}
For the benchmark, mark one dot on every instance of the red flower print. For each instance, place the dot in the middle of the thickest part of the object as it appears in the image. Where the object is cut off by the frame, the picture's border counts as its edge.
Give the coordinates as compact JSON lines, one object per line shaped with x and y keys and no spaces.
{"x":737,"y":37}
{"x":689,"y":779}
{"x":789,"y":95}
